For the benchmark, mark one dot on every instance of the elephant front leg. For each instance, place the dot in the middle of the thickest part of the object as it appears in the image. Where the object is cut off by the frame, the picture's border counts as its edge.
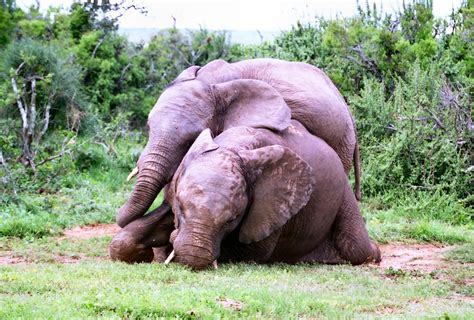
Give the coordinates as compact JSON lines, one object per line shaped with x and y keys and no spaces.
{"x":136,"y":241}
{"x":350,"y":234}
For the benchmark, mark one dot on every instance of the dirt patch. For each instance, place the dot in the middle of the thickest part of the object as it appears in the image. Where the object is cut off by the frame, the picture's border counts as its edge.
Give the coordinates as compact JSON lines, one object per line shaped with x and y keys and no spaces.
{"x":9,"y":258}
{"x":93,"y":231}
{"x":414,"y":257}
{"x":230,"y":304}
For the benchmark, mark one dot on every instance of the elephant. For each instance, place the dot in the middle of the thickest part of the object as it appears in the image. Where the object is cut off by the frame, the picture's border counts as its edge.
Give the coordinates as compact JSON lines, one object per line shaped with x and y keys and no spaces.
{"x":253,"y":194}
{"x":223,"y":95}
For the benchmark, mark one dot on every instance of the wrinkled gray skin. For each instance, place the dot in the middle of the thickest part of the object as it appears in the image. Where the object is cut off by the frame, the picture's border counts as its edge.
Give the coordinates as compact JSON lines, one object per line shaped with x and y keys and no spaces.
{"x":145,"y":239}
{"x":219,"y":96}
{"x":257,"y":195}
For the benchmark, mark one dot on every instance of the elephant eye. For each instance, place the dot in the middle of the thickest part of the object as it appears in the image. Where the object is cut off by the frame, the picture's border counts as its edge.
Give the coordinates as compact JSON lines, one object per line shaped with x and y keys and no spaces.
{"x":232,"y":220}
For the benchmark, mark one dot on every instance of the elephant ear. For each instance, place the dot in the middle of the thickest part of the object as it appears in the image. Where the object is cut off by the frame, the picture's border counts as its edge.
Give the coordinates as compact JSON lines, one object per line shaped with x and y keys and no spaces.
{"x":283,"y":185}
{"x":217,"y":71}
{"x":186,"y":75}
{"x":251,"y":103}
{"x":203,"y":143}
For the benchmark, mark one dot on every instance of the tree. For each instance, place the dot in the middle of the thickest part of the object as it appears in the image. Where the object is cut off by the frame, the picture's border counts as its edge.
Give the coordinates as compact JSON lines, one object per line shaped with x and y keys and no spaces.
{"x":43,"y":84}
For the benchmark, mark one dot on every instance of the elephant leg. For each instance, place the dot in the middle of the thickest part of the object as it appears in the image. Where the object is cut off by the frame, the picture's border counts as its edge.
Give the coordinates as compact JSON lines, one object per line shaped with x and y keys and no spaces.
{"x":136,"y":241}
{"x":350,"y":234}
{"x":325,"y":253}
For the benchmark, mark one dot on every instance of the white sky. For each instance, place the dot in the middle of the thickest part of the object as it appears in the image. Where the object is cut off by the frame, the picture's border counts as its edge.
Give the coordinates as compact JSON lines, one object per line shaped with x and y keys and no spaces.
{"x":263,"y":15}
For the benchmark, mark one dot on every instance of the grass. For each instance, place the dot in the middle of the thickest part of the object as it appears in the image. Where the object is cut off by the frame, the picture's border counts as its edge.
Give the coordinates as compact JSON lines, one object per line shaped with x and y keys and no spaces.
{"x":72,"y":278}
{"x":98,"y":288}
{"x":408,"y":220}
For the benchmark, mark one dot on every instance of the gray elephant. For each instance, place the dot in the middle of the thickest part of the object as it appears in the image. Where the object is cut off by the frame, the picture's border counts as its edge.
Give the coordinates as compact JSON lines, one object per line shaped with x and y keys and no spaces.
{"x":222,"y":95}
{"x":258,"y":195}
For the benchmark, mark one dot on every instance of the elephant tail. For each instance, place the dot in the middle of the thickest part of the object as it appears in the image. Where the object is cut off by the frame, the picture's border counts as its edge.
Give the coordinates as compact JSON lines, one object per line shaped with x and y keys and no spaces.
{"x":357,"y":173}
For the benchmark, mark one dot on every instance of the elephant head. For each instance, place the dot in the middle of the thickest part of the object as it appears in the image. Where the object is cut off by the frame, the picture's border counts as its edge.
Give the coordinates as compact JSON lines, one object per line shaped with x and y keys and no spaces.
{"x":217,"y":190}
{"x":183,"y":110}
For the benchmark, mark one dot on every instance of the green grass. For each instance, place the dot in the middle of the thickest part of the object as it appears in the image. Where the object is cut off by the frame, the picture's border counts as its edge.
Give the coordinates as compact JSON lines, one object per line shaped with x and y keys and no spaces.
{"x":94,"y":198}
{"x":72,"y":278}
{"x":98,"y":288}
{"x":49,"y":249}
{"x":415,"y":219}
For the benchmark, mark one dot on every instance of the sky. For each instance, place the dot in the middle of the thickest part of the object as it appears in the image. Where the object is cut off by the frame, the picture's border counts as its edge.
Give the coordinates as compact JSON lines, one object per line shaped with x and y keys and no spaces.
{"x":262,"y":15}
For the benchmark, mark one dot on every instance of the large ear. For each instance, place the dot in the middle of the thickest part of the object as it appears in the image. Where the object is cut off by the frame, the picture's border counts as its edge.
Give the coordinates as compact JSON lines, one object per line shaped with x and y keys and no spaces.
{"x":202,"y":144}
{"x":283,"y":185}
{"x":217,"y":71}
{"x":186,"y":75}
{"x":251,"y":103}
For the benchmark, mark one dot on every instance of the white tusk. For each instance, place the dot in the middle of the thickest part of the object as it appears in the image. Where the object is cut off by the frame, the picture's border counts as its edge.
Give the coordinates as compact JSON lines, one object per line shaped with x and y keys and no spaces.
{"x":170,"y":257}
{"x":214,"y":264}
{"x":132,"y":174}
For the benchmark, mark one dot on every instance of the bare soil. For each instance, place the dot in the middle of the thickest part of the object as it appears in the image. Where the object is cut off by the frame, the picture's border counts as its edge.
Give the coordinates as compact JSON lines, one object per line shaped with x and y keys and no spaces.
{"x":414,"y":257}
{"x":398,"y":256}
{"x":93,"y":231}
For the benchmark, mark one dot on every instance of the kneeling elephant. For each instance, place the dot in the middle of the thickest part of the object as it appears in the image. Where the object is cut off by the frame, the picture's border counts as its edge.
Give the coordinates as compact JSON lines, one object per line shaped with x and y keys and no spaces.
{"x":255,"y":195}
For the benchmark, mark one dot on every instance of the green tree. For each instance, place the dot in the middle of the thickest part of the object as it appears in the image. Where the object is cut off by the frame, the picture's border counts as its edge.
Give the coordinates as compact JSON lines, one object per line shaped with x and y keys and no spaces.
{"x":44,"y":87}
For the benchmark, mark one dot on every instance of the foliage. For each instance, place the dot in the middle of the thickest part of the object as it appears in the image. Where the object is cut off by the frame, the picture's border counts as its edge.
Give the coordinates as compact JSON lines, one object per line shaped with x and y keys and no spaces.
{"x":407,"y":78}
{"x":418,"y":138}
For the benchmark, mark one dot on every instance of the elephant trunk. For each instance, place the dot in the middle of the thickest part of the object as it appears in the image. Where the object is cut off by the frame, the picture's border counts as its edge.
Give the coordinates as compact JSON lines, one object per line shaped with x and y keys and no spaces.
{"x":156,"y":166}
{"x":194,"y":249}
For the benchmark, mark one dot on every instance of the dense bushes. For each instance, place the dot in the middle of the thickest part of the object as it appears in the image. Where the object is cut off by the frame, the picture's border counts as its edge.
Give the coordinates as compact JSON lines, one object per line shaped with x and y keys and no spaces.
{"x":407,"y":77}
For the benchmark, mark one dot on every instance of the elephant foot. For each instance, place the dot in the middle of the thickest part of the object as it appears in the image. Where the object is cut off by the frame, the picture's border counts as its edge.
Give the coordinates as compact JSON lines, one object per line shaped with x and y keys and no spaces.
{"x":376,"y":255}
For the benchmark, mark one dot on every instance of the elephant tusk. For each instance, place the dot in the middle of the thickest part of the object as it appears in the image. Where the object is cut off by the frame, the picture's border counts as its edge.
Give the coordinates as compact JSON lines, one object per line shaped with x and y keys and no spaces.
{"x":132,"y":174}
{"x":214,"y":264}
{"x":170,"y":257}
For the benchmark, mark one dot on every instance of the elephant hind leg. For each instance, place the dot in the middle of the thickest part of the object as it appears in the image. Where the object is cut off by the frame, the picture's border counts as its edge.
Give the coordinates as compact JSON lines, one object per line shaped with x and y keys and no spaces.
{"x":350,"y":234}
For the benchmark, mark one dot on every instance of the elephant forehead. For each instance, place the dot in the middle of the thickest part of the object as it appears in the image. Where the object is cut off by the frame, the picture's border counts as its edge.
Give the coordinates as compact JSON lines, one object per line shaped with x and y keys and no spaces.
{"x":189,"y":94}
{"x":210,"y":180}
{"x":208,"y":175}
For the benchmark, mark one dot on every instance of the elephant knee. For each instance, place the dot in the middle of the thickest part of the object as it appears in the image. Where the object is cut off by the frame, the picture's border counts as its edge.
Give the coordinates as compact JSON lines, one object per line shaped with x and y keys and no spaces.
{"x":124,"y":247}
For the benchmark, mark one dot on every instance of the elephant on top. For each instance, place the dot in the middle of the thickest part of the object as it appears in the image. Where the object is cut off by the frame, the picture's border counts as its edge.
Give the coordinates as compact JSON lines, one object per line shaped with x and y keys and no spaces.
{"x":249,"y":93}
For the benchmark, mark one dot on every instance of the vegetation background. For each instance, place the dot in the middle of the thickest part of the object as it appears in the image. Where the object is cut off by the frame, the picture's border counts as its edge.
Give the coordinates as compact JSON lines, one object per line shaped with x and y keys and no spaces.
{"x":75,"y":95}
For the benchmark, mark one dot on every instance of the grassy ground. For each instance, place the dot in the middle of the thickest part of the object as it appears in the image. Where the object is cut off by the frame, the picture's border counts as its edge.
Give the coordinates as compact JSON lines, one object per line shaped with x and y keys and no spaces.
{"x":72,"y":278}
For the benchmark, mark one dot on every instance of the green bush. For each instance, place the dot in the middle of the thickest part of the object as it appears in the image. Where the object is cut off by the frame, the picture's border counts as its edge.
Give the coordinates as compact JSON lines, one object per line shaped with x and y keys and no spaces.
{"x":407,"y":78}
{"x":418,"y":138}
